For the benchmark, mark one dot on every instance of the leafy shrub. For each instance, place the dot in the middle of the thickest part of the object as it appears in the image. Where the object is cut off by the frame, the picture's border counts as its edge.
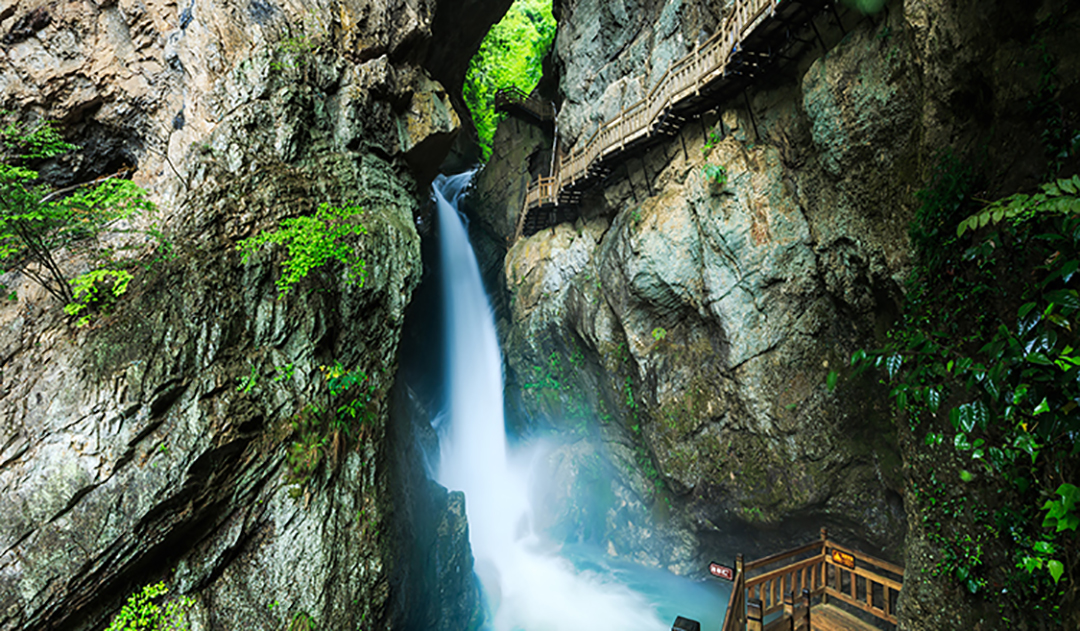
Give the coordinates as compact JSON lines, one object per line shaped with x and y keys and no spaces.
{"x":313,"y":241}
{"x":96,"y":288}
{"x":716,"y":174}
{"x":322,"y":432}
{"x":985,"y":362}
{"x":143,"y":613}
{"x":36,"y":221}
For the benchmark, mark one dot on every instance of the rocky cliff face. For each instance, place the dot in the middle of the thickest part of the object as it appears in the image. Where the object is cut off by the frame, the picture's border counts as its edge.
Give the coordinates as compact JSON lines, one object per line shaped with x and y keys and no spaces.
{"x":128,"y":453}
{"x":687,"y":327}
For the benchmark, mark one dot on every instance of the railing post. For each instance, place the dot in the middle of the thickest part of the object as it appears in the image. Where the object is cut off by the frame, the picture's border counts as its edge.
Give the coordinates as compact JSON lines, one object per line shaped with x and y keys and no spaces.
{"x":806,"y":610}
{"x":740,"y":585}
{"x":789,"y":607}
{"x":754,"y":617}
{"x":824,"y":566}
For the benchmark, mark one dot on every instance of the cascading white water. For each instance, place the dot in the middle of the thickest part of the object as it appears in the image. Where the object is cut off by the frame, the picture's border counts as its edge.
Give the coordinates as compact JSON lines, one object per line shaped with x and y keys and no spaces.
{"x":527,"y":589}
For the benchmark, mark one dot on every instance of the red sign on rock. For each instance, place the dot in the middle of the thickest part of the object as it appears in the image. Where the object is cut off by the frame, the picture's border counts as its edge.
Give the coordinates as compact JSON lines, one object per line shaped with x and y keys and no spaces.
{"x":721,"y":571}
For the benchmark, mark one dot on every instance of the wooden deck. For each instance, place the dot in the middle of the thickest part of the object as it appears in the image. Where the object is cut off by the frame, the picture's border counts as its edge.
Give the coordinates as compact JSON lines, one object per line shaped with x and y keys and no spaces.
{"x":826,"y":617}
{"x":756,"y":35}
{"x":822,"y":578}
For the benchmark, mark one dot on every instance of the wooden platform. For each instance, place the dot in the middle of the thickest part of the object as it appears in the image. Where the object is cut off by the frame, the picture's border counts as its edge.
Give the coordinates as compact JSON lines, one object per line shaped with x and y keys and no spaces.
{"x":829,"y":618}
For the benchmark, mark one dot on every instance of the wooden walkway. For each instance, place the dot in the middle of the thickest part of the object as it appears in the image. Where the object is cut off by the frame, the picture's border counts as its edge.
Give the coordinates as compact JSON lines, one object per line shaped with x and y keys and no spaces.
{"x":753,"y":37}
{"x":785,"y":585}
{"x":831,"y":618}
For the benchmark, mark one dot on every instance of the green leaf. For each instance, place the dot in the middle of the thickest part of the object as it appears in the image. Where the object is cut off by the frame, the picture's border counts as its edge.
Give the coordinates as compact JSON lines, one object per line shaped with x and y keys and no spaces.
{"x":1025,"y":309}
{"x":1043,"y":547}
{"x":933,"y":399}
{"x":1032,"y":563}
{"x":967,"y":417}
{"x":1039,"y":358}
{"x":1069,"y":521}
{"x":1056,"y":569}
{"x":1070,"y":495}
{"x":966,"y":476}
{"x":1026,"y":443}
{"x":1067,"y":186}
{"x":830,"y":380}
{"x":1042,"y":407}
{"x":893,"y":364}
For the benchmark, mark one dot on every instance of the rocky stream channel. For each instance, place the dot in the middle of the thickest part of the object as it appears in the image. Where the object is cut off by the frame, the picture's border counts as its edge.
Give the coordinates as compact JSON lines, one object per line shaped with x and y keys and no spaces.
{"x":670,"y":344}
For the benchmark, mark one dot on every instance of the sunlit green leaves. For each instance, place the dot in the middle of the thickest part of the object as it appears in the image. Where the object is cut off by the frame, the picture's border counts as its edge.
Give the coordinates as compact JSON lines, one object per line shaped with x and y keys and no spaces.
{"x":35,"y":221}
{"x":313,"y":241}
{"x":143,"y":612}
{"x":1060,"y":512}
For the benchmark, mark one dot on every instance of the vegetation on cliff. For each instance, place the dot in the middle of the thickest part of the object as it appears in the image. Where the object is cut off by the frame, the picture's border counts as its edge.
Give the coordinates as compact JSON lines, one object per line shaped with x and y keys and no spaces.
{"x":511,"y":55}
{"x":984,"y":366}
{"x":84,"y":220}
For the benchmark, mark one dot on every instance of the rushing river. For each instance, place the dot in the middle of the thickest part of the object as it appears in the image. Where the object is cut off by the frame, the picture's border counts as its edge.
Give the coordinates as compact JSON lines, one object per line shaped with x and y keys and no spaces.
{"x":530,"y":584}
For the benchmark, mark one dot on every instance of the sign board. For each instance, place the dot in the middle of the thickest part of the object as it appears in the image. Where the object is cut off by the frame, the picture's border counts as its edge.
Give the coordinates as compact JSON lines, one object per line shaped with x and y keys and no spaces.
{"x":844,"y":559}
{"x":721,"y":571}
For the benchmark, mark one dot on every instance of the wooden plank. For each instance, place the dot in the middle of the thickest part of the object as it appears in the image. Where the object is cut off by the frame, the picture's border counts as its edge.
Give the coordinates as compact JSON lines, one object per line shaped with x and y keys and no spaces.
{"x":860,"y":604}
{"x":780,"y":556}
{"x":830,"y":618}
{"x":877,"y":578}
{"x":761,"y":578}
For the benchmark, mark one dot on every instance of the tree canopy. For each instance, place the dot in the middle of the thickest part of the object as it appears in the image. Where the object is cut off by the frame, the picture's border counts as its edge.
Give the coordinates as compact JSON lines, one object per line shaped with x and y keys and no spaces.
{"x":511,"y":54}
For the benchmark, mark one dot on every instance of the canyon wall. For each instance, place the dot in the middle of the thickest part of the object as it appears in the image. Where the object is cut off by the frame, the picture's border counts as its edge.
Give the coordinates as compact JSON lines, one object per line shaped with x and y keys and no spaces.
{"x":686,"y":327}
{"x":153,"y":443}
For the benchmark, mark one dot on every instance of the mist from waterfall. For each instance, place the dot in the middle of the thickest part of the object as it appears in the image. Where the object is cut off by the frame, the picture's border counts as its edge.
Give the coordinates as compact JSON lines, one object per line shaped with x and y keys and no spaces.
{"x":527,"y":585}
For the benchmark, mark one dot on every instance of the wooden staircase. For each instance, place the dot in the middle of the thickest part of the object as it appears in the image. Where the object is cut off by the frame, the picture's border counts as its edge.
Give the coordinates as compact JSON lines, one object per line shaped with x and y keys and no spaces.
{"x":755,"y":36}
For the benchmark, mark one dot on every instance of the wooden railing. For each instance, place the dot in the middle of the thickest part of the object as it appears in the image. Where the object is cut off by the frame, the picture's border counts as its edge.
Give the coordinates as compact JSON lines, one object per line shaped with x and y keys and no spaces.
{"x":508,"y":98}
{"x":824,"y":569}
{"x":682,"y":80}
{"x":873,"y":583}
{"x":543,"y":192}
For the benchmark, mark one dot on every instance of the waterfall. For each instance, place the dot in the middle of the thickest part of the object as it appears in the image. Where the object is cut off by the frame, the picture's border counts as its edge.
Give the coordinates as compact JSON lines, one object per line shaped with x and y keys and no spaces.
{"x":527,"y":586}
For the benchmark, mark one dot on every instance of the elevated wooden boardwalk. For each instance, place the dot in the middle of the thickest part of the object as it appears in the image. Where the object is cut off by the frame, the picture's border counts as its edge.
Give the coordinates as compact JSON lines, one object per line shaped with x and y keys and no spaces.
{"x":785,"y":586}
{"x":753,"y":37}
{"x":513,"y":100}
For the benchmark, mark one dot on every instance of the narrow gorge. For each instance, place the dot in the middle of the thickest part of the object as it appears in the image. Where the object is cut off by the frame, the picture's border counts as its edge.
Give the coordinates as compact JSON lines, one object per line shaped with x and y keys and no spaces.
{"x":781,"y":300}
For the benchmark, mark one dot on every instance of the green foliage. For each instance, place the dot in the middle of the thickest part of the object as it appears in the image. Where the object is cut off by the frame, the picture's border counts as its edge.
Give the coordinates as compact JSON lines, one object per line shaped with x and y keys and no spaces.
{"x":36,"y":221}
{"x":283,"y":373}
{"x":942,"y":205}
{"x":322,"y":431}
{"x":247,"y":384}
{"x":100,"y":288}
{"x":715,"y":136}
{"x":293,"y":52}
{"x":1059,"y":141}
{"x":511,"y":55}
{"x":1056,"y":197}
{"x":143,"y":613}
{"x":311,"y":242}
{"x":984,"y":362}
{"x":659,"y":333}
{"x":302,"y":622}
{"x":297,"y":51}
{"x":715,"y":174}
